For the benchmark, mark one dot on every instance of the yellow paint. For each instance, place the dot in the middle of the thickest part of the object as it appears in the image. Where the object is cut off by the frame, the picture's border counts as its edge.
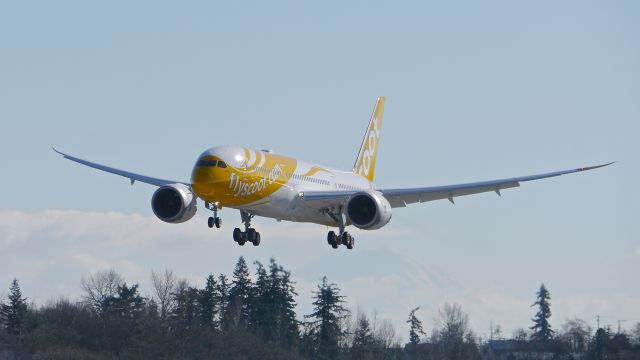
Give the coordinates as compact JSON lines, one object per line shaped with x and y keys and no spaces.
{"x":366,"y":162}
{"x":314,"y":170}
{"x":244,"y":185}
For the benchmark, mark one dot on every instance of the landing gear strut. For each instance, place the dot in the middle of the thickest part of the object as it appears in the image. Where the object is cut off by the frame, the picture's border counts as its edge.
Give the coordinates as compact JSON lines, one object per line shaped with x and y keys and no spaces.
{"x":250,"y":234}
{"x":343,"y":238}
{"x":213,"y":220}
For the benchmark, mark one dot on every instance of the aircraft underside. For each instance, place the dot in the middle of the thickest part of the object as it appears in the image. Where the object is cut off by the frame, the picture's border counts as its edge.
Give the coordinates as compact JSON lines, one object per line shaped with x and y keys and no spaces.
{"x":284,"y":206}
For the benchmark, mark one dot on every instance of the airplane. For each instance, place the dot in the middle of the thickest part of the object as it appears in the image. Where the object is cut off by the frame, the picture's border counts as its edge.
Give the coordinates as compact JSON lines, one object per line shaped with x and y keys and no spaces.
{"x":261,"y":183}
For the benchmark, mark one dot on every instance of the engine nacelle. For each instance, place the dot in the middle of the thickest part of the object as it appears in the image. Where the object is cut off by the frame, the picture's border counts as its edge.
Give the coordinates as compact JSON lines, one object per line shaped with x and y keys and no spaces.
{"x":174,"y":203}
{"x":368,"y":210}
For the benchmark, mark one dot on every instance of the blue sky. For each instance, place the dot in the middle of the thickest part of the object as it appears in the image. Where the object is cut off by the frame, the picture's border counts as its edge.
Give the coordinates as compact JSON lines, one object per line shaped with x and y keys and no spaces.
{"x":475,"y":91}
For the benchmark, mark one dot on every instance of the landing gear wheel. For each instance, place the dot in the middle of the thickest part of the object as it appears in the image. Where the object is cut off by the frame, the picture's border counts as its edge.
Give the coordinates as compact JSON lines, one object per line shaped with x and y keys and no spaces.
{"x":350,"y":243}
{"x":345,"y":238}
{"x":237,"y":235}
{"x":251,"y":235}
{"x":256,"y":239}
{"x":213,"y":220}
{"x":332,"y":238}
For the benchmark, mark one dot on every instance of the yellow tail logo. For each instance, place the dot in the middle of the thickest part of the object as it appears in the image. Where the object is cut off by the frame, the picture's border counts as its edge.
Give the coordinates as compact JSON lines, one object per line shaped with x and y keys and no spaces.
{"x":366,"y":162}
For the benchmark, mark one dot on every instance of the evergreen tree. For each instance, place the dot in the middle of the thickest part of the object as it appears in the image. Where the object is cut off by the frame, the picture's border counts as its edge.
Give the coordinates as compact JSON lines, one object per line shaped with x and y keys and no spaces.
{"x":14,"y":314}
{"x":541,"y":329}
{"x":262,"y":309}
{"x":222,"y":288}
{"x":208,"y":303}
{"x":325,"y":323}
{"x":240,"y":296}
{"x":282,"y":295}
{"x":415,"y":327}
{"x":363,"y":340}
{"x":600,"y":345}
{"x":120,"y":315}
{"x":185,"y":314}
{"x":273,"y":309}
{"x":127,"y":303}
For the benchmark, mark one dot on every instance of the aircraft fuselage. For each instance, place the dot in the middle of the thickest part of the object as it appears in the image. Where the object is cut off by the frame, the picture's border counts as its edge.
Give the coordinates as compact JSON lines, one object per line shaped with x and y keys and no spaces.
{"x":267,"y":184}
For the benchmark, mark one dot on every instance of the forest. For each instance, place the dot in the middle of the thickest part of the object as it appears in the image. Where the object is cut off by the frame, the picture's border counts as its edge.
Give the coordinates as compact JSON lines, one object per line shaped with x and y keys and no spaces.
{"x":252,"y":315}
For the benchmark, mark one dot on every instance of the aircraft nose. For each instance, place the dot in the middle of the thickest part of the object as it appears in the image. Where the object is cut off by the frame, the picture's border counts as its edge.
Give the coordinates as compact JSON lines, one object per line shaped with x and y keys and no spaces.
{"x":203,"y":177}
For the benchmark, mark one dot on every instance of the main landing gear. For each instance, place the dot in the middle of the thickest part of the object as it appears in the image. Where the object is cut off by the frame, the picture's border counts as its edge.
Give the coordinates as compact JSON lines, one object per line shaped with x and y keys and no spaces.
{"x":250,"y":234}
{"x":343,"y":238}
{"x":241,"y":237}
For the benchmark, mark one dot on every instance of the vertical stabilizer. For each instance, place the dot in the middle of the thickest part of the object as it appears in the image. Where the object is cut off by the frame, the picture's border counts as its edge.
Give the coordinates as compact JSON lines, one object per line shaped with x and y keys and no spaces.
{"x":366,"y":162}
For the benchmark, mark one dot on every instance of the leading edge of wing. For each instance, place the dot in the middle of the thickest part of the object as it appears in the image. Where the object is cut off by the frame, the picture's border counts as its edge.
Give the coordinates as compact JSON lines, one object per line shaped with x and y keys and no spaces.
{"x":401,"y":197}
{"x":132,"y":176}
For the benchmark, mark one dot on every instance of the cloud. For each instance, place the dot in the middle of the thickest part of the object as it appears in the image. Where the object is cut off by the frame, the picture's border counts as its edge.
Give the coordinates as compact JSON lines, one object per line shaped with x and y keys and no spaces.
{"x":50,"y":251}
{"x":58,"y":247}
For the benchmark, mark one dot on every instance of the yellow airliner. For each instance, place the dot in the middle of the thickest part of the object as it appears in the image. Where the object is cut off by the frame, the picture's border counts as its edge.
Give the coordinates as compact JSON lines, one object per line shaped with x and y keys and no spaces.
{"x":260,"y":183}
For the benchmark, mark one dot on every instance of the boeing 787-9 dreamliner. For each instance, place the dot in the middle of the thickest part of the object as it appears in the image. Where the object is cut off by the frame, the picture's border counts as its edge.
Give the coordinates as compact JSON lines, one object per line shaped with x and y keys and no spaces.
{"x":261,"y":183}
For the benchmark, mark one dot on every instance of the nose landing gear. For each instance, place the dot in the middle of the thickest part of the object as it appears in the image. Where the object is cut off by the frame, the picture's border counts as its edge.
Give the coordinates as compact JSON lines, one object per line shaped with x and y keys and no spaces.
{"x":213,"y":220}
{"x":250,"y":234}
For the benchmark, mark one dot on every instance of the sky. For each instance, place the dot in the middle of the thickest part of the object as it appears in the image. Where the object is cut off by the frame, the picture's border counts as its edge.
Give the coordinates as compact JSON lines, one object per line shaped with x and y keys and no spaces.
{"x":475,"y":91}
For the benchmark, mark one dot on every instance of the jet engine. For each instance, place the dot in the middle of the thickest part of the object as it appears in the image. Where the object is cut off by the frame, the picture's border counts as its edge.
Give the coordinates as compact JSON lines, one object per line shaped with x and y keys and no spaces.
{"x":368,"y":210}
{"x":174,"y":203}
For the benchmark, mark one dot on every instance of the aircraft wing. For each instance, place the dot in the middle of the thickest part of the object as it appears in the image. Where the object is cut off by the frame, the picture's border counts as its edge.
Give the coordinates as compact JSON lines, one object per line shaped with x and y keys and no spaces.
{"x":133,"y":177}
{"x":403,"y":197}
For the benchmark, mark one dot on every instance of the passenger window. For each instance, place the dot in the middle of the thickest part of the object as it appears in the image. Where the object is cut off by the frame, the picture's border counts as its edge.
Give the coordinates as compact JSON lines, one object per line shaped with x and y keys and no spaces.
{"x":221,"y":164}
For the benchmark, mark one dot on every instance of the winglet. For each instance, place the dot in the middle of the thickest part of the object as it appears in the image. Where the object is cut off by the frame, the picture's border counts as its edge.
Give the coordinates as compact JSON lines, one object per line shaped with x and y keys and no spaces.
{"x":56,"y":150}
{"x":596,"y":167}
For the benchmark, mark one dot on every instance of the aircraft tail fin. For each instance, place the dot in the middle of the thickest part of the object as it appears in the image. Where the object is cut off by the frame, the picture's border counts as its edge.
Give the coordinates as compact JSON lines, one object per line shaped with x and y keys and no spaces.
{"x":366,"y":161}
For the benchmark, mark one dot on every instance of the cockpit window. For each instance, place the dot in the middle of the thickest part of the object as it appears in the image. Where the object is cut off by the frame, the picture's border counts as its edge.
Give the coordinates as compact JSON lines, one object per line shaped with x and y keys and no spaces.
{"x":221,"y":164}
{"x":207,"y":163}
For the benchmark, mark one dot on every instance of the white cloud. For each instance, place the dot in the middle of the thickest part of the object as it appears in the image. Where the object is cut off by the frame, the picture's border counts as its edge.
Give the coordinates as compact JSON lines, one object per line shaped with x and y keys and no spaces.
{"x":87,"y":261}
{"x":50,"y":251}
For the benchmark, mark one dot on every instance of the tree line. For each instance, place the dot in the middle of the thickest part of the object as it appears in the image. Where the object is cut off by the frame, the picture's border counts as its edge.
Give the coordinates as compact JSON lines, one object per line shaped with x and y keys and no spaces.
{"x":254,"y":317}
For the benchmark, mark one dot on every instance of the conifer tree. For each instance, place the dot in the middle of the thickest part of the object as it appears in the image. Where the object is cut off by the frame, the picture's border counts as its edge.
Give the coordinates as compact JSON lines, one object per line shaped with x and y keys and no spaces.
{"x":415,"y":327}
{"x":208,"y":303}
{"x":273,"y":309}
{"x":363,"y":340}
{"x":222,"y":288}
{"x":185,"y":314}
{"x":325,"y":323}
{"x":262,"y":308}
{"x":127,"y":303}
{"x":240,"y":295}
{"x":541,"y":329}
{"x":14,"y":313}
{"x":120,"y":316}
{"x":282,"y":294}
